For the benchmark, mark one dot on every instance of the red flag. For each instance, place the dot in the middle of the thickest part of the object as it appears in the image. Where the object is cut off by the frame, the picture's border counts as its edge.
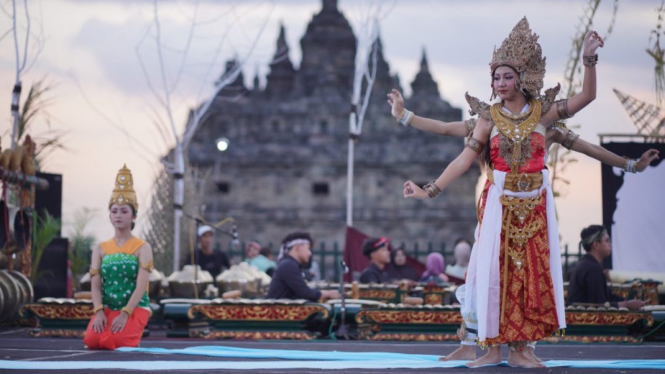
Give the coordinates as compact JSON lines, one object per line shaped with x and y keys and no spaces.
{"x":353,"y":252}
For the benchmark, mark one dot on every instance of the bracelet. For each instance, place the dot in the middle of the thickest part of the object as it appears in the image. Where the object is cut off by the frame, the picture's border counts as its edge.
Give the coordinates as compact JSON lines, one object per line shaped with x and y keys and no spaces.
{"x":405,"y":117}
{"x":569,"y":139}
{"x":127,"y":310}
{"x":432,"y":189}
{"x":631,"y":166}
{"x":590,"y":61}
{"x":97,"y":309}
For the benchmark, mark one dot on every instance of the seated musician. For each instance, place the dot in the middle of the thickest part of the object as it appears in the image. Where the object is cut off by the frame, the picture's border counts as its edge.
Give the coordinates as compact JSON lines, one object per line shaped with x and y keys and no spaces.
{"x":212,"y":260}
{"x":376,"y":249}
{"x":588,"y":283}
{"x":288,"y":281}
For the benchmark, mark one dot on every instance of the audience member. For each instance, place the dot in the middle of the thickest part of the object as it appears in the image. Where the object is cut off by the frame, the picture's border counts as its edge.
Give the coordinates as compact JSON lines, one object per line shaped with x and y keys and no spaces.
{"x":434,"y":269}
{"x":398,"y":269}
{"x":254,"y":256}
{"x":376,"y":249}
{"x":462,"y":253}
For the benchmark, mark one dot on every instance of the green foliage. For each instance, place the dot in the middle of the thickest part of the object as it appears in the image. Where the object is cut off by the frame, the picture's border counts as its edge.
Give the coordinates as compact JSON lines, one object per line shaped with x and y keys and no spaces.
{"x":45,"y":230}
{"x":36,"y":107}
{"x":80,"y":244}
{"x":657,"y":53}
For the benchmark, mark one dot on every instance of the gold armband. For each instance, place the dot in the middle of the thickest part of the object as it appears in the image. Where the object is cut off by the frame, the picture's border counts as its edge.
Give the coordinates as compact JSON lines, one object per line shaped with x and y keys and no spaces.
{"x":127,"y":310}
{"x":97,"y":309}
{"x":94,"y":272}
{"x":569,"y":139}
{"x":562,"y":109}
{"x":149,"y":266}
{"x":475,"y":145}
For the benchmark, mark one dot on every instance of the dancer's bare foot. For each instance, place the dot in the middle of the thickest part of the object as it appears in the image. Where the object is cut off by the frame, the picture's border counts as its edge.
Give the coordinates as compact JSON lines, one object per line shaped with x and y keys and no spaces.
{"x":492,"y":357}
{"x":520,"y":360}
{"x":463,"y":353}
{"x":530,"y":353}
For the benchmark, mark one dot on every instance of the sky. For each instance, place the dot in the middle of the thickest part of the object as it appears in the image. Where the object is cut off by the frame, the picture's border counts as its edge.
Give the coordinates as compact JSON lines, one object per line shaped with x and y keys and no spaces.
{"x":101,"y":58}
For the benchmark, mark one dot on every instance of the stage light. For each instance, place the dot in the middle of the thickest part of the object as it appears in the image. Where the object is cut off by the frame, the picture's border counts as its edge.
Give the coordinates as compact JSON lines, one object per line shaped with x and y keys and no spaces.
{"x":222,"y":144}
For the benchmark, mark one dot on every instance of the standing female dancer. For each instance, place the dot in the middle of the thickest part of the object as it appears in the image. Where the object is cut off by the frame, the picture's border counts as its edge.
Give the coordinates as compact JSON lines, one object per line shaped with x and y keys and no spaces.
{"x":557,"y":133}
{"x":514,"y":290}
{"x":119,"y":274}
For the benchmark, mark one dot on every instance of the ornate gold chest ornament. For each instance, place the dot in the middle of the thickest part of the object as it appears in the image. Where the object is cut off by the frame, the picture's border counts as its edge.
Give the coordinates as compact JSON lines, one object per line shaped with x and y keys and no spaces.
{"x":517,"y":129}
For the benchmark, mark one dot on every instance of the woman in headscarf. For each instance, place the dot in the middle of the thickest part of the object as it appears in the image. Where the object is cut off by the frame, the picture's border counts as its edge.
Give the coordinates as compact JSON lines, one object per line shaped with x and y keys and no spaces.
{"x":434,"y":269}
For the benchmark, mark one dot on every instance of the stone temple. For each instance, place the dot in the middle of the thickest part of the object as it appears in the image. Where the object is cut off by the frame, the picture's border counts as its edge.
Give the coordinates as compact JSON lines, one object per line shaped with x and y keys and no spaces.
{"x":285,"y":168}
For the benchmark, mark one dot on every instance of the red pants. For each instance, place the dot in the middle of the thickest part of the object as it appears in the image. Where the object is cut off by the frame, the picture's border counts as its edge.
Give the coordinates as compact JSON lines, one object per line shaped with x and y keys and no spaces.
{"x":130,"y":336}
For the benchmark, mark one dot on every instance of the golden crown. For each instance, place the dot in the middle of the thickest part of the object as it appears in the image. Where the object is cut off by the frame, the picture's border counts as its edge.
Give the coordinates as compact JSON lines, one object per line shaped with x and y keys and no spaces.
{"x":124,"y":193}
{"x":522,"y":52}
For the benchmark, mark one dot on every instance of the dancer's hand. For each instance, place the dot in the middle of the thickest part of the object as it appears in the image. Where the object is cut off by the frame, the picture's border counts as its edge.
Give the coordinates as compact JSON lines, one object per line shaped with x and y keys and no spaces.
{"x":119,"y":322}
{"x":396,"y":101}
{"x":99,"y":322}
{"x":411,"y":190}
{"x":591,"y":42}
{"x":646,"y":159}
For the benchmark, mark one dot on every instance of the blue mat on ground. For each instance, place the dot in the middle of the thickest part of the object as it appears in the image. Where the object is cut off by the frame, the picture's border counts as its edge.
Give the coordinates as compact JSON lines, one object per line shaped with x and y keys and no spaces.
{"x":321,"y":365}
{"x":297,"y":359}
{"x":284,"y":354}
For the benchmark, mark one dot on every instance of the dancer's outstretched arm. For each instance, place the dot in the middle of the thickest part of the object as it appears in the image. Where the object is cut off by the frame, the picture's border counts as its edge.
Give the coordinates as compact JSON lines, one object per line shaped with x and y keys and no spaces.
{"x":458,"y":128}
{"x":568,"y":108}
{"x":601,"y":154}
{"x":458,"y":166}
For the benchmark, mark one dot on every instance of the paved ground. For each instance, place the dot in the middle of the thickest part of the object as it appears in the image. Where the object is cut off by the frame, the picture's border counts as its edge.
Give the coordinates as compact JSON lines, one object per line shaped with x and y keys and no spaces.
{"x":15,"y":344}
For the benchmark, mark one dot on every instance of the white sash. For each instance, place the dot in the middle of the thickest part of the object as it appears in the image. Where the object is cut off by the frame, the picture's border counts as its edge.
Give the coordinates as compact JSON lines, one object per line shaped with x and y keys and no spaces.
{"x":483,"y":277}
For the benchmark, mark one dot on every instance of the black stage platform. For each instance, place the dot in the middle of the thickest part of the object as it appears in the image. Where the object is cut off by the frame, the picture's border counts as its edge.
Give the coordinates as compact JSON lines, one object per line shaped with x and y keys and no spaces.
{"x":16,"y":344}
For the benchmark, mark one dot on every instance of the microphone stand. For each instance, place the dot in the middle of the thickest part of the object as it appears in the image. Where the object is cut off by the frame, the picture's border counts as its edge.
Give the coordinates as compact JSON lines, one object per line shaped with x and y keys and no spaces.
{"x":342,"y":330}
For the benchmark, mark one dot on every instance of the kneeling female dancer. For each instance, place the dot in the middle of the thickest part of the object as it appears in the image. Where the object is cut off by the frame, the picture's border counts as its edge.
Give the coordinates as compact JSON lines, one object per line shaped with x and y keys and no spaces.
{"x":119,"y":274}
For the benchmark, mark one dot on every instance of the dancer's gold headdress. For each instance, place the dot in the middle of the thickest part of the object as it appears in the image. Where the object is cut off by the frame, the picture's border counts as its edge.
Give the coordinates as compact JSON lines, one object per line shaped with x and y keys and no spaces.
{"x":124,"y":193}
{"x":521,"y":51}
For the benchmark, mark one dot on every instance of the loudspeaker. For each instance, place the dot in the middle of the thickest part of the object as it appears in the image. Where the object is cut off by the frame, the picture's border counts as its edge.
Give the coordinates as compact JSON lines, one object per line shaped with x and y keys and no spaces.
{"x":50,"y":200}
{"x":53,"y":282}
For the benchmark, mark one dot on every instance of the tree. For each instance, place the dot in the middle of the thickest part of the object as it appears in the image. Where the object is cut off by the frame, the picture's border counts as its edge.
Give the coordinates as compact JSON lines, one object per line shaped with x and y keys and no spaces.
{"x":21,"y":57}
{"x":80,"y":244}
{"x":368,"y":20}
{"x":657,"y":53}
{"x":560,"y":159}
{"x":168,"y":84}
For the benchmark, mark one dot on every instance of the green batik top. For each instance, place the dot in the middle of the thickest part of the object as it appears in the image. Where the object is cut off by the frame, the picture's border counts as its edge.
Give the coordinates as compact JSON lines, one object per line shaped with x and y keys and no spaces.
{"x":119,"y":274}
